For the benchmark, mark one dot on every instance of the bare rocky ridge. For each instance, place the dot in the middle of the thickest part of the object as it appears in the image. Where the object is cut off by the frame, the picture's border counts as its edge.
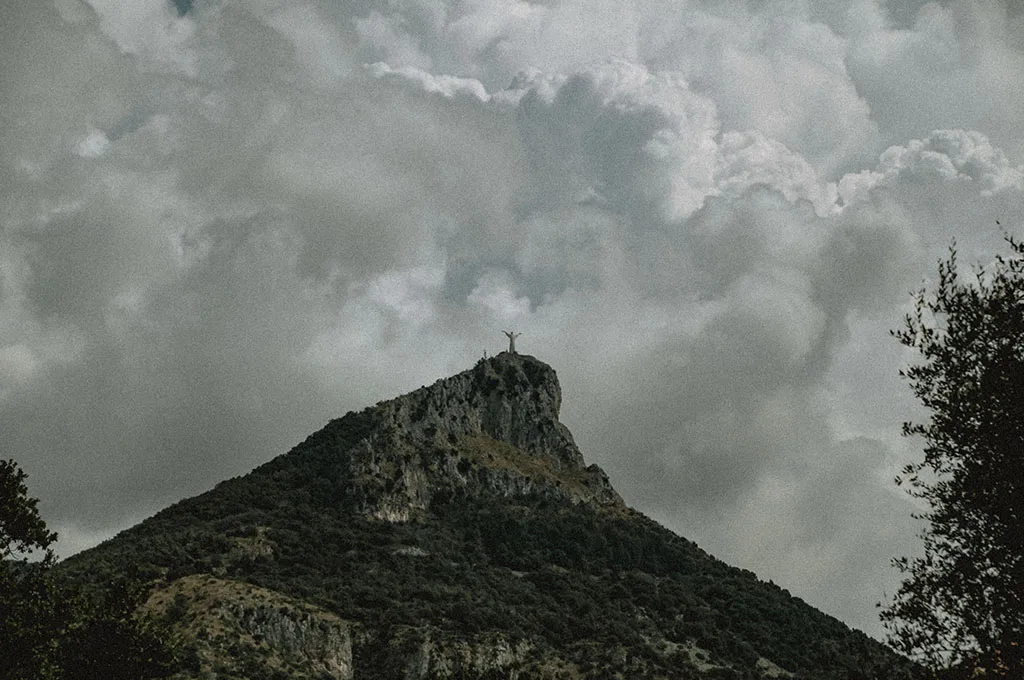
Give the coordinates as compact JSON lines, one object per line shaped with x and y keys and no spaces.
{"x":513,"y":398}
{"x":491,"y":429}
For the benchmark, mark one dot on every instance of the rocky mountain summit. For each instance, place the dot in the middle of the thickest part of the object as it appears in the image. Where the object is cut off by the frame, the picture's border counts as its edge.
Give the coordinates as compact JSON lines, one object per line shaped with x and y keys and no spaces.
{"x":456,"y":532}
{"x":492,"y":429}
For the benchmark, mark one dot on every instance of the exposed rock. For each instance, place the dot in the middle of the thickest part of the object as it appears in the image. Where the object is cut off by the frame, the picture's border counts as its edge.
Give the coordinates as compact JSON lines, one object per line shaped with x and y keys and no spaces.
{"x":770,"y":669}
{"x":491,"y":429}
{"x":230,"y":626}
{"x":430,"y":655}
{"x":512,"y":398}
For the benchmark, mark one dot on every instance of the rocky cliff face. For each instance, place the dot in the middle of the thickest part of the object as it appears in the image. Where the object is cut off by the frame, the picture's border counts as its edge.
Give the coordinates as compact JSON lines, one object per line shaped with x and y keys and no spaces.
{"x":491,"y":429}
{"x":429,"y":654}
{"x":230,"y":629}
{"x":512,"y":398}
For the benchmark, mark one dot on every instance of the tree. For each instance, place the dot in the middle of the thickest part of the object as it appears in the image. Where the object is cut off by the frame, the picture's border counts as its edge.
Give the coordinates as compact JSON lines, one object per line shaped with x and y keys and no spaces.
{"x":961,"y":604}
{"x":107,"y":640}
{"x":49,"y":631}
{"x":22,"y":530}
{"x":32,"y":613}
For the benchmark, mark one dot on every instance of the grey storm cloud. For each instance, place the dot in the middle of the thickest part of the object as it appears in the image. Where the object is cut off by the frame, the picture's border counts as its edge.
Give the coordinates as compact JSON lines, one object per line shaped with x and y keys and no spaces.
{"x":224,"y":222}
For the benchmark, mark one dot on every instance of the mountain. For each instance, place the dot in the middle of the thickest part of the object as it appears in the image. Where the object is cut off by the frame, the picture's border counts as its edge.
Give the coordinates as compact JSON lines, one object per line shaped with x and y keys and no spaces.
{"x":456,"y":532}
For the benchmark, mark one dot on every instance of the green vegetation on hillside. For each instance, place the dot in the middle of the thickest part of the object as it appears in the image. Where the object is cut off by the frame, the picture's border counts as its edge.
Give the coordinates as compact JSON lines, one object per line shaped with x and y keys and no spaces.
{"x":587,"y":585}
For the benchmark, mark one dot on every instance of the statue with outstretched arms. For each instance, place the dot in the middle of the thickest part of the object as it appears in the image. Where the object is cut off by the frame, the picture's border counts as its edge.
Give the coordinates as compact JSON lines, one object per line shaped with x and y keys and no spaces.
{"x":511,"y":340}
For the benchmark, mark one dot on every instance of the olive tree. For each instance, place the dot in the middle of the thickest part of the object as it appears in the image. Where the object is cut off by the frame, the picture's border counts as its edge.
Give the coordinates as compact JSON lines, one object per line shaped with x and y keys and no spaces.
{"x":961,"y":604}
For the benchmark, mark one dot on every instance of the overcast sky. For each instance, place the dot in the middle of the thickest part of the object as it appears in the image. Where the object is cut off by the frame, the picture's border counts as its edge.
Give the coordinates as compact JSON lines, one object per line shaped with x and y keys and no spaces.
{"x":220,"y":229}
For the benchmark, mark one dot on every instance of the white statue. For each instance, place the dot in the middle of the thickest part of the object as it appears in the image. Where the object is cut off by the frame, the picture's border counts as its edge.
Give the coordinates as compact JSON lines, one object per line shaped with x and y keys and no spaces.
{"x":511,"y":340}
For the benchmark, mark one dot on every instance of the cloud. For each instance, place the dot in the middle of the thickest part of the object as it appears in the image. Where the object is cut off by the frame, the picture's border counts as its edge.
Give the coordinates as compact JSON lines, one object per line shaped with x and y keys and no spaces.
{"x":222,"y":228}
{"x":778,"y":71}
{"x":493,"y":40}
{"x":951,"y":65}
{"x":956,"y":154}
{"x":449,"y":86}
{"x":150,"y":29}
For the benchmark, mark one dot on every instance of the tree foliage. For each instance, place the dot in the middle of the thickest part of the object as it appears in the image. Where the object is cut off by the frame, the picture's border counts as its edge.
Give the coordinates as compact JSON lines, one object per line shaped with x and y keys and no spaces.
{"x":961,"y":604}
{"x":51,"y":631}
{"x":22,"y":530}
{"x":31,"y":608}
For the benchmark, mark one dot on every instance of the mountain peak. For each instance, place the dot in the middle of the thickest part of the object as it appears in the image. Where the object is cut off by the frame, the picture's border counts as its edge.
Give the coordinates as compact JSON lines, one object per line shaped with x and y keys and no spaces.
{"x":492,"y":429}
{"x":512,"y":398}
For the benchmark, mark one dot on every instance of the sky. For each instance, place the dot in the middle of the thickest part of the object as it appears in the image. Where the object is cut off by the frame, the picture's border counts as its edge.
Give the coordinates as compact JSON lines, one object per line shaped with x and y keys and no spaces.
{"x":225,"y":222}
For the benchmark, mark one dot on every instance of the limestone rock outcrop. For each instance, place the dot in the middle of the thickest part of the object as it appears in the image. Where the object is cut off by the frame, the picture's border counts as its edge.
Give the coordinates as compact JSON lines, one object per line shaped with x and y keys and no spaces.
{"x":230,"y":627}
{"x":491,"y":429}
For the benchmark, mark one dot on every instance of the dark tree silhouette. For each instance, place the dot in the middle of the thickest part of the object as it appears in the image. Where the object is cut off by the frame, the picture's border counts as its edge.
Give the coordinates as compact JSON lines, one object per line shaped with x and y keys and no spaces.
{"x":32,"y":612}
{"x":961,"y":604}
{"x":22,"y":530}
{"x":47,"y":629}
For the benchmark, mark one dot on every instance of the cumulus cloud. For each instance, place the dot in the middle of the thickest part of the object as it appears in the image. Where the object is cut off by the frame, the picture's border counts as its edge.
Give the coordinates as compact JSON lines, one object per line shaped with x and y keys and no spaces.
{"x":220,"y":228}
{"x":449,"y":86}
{"x":944,"y":66}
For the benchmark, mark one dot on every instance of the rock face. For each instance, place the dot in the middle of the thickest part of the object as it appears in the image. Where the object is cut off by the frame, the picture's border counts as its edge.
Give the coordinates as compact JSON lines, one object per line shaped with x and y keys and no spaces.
{"x":512,"y":398}
{"x":232,"y":628}
{"x":491,"y":429}
{"x":432,"y":655}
